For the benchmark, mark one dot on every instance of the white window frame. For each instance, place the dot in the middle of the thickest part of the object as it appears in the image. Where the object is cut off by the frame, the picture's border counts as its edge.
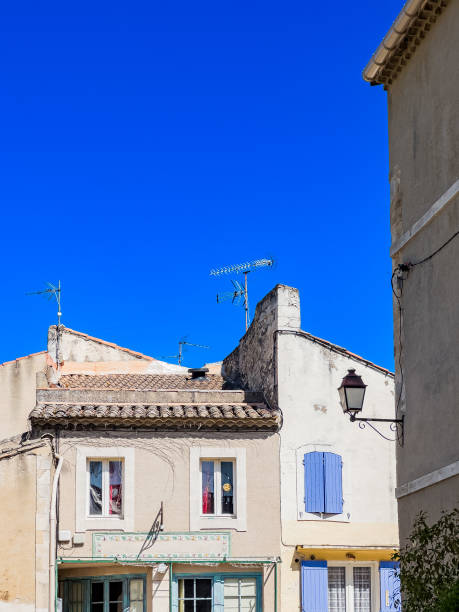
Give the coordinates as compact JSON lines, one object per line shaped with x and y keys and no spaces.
{"x":105,"y":488}
{"x":238,"y":520}
{"x":83,"y":520}
{"x":302,"y":515}
{"x":218,"y":486}
{"x":349,"y":581}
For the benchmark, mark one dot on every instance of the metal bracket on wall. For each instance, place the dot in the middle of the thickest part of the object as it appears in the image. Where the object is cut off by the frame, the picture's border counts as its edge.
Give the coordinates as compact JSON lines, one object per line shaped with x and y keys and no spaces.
{"x":395,"y":424}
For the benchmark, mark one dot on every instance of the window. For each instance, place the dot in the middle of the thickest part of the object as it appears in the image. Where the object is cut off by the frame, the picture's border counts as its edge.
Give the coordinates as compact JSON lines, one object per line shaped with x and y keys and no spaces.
{"x":339,"y":587}
{"x":323,"y":487}
{"x":104,"y":594}
{"x":240,"y":594}
{"x":217,"y":487}
{"x":105,"y":487}
{"x":195,"y":595}
{"x":226,"y":593}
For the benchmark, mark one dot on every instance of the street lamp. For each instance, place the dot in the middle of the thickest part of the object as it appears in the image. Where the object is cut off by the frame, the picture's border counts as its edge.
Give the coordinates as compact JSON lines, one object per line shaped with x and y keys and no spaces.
{"x":352,"y":393}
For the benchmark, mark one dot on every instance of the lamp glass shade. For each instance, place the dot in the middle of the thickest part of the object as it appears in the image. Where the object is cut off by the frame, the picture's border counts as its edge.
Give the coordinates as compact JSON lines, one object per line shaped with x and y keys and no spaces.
{"x":352,"y":392}
{"x":354,"y":398}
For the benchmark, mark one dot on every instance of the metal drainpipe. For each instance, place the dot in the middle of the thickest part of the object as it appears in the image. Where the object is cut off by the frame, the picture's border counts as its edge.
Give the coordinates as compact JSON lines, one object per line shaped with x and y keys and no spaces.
{"x":275,"y":586}
{"x":170,"y":586}
{"x":52,"y":598}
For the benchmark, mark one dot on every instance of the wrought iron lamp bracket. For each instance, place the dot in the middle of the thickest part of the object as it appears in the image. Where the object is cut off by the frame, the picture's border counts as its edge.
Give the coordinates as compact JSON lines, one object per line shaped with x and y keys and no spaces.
{"x":395,"y":424}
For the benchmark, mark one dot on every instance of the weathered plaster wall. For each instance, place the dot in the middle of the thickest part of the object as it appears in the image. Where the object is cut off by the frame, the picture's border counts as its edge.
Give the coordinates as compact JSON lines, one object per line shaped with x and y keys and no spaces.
{"x":162,"y":473}
{"x":24,"y":531}
{"x":424,"y":152}
{"x":17,"y":393}
{"x":423,"y":112}
{"x":309,"y":375}
{"x":252,"y":364}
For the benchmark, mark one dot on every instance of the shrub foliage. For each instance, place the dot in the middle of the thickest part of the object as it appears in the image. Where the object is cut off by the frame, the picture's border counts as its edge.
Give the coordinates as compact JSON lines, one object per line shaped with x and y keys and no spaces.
{"x":429,"y":565}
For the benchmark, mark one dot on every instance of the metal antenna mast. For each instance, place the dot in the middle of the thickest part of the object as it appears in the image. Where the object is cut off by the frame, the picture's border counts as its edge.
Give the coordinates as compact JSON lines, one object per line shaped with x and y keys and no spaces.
{"x":52,"y":291}
{"x":239,"y":291}
{"x":183,"y":343}
{"x":56,"y":291}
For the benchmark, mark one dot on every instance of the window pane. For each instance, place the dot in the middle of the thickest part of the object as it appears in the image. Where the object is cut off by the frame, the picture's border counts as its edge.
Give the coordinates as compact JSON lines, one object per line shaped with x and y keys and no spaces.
{"x":203,"y":587}
{"x":116,"y":607}
{"x":95,"y":487}
{"x":189,"y":587}
{"x":248,"y":605}
{"x":189,"y":605}
{"x":207,"y":487}
{"x":115,"y":469}
{"x":248,"y":587}
{"x":204,"y":605}
{"x":362,"y":589}
{"x":96,"y":607}
{"x":97,"y":592}
{"x":227,"y":487}
{"x":115,"y":591}
{"x":231,"y":587}
{"x":231,"y":604}
{"x":336,"y":589}
{"x":136,"y":590}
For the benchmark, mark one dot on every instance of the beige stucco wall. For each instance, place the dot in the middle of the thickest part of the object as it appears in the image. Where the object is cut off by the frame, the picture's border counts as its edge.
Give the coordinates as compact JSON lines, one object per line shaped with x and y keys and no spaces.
{"x":24,"y":531}
{"x":162,"y":473}
{"x":423,"y":104}
{"x":17,"y":393}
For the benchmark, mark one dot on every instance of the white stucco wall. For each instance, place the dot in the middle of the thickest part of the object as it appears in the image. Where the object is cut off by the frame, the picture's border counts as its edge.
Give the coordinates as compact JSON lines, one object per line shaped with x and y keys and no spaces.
{"x":308,"y":377}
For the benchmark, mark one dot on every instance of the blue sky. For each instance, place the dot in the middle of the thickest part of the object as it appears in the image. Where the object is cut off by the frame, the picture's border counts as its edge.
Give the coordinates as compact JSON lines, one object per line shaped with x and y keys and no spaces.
{"x":144,"y":143}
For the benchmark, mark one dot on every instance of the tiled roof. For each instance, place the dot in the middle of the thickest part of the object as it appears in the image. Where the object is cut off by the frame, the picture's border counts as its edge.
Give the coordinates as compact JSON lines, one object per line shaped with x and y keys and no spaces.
{"x":142,"y":382}
{"x":161,"y":416}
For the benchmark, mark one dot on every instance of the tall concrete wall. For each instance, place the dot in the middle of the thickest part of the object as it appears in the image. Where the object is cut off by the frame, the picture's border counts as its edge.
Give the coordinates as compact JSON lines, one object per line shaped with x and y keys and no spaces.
{"x":423,"y":105}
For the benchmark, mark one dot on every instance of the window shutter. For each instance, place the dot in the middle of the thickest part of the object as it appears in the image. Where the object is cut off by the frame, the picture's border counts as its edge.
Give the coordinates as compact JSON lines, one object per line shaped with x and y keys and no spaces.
{"x":333,"y":483}
{"x":314,"y":586}
{"x":390,"y":586}
{"x":314,"y":482}
{"x":218,"y":591}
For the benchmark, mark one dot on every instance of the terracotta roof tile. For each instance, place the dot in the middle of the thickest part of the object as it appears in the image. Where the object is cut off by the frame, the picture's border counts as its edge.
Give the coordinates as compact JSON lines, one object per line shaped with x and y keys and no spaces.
{"x":143,"y":382}
{"x":25,"y":357}
{"x":161,"y":416}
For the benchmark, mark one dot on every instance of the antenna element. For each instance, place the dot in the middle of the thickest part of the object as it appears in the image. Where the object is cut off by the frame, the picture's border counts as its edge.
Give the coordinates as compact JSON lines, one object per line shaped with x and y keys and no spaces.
{"x":239,"y":291}
{"x":56,"y":291}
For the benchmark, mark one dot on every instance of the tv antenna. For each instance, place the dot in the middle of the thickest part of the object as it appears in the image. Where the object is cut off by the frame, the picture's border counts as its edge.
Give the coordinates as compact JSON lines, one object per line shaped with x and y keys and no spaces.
{"x":52,"y":291}
{"x":181,"y":350}
{"x":240,"y":292}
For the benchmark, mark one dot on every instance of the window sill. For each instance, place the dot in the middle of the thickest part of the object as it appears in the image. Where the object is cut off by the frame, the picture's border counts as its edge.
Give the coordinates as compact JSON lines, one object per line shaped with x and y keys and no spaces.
{"x":323,"y":517}
{"x":220,"y":522}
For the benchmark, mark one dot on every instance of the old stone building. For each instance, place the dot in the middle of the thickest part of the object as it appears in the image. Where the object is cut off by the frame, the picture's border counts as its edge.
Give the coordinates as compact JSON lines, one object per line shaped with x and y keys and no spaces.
{"x":133,"y":484}
{"x":417,"y":64}
{"x":338,"y":510}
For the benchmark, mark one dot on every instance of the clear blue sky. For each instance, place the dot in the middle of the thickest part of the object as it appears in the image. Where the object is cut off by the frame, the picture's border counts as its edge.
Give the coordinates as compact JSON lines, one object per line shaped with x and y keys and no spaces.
{"x":144,"y":143}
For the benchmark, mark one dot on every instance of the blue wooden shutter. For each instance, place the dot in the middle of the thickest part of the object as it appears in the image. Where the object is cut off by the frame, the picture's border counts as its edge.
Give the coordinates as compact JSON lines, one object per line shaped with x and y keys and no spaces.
{"x":314,"y":586}
{"x":333,"y":468}
{"x":314,"y":482}
{"x":390,"y":586}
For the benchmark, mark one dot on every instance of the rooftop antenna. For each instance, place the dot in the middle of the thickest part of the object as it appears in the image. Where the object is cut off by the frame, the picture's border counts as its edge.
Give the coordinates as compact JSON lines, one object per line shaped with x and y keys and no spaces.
{"x":183,"y":343}
{"x":52,"y":291}
{"x":239,"y":290}
{"x":56,"y":292}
